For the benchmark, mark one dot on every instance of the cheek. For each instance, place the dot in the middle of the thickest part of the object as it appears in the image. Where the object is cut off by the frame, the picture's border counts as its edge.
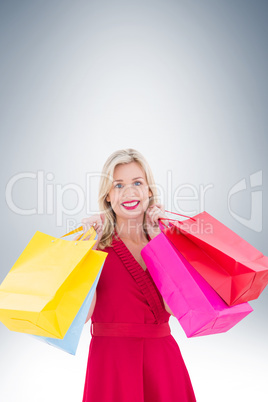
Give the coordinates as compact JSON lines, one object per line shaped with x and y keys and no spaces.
{"x":145,"y":197}
{"x":145,"y":192}
{"x":115,"y":197}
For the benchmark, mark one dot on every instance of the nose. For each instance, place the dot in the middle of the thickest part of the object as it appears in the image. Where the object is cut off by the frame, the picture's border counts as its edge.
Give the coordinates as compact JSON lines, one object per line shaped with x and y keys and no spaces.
{"x":131,"y":191}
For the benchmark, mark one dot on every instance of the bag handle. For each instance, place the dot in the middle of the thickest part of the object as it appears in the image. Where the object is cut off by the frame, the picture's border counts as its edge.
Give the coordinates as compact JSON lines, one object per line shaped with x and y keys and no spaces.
{"x":169,"y":219}
{"x":91,"y":231}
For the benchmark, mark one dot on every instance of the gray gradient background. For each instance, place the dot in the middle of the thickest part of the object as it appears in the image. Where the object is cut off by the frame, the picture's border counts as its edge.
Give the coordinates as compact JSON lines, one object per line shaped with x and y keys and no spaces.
{"x":184,"y":82}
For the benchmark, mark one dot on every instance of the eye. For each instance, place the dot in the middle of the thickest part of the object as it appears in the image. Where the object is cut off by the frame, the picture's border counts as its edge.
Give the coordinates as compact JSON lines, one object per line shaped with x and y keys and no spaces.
{"x":119,"y":184}
{"x":138,"y":182}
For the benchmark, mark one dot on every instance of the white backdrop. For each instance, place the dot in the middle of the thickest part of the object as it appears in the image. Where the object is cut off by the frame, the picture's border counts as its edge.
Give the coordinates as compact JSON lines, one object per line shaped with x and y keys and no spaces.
{"x":183,"y":82}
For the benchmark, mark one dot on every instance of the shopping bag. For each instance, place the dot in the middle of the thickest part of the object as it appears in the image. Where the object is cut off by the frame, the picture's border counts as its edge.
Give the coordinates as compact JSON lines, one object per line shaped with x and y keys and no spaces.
{"x":47,"y":285}
{"x":71,"y":339}
{"x":235,"y":269}
{"x":199,"y":309}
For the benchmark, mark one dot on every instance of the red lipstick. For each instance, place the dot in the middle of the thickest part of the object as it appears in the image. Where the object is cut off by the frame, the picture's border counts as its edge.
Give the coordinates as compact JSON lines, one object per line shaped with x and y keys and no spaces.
{"x":134,"y":202}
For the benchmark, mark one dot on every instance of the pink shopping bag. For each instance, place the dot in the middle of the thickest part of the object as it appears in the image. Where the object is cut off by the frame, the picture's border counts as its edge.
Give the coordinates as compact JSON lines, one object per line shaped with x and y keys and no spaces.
{"x":199,"y":309}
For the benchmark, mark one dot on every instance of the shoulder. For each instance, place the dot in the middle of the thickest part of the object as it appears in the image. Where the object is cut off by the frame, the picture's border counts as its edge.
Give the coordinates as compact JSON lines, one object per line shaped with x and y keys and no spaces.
{"x":109,"y":250}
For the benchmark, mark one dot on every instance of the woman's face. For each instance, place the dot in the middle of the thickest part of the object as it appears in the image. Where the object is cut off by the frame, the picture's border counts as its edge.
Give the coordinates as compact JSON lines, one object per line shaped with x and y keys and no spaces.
{"x":129,"y":194}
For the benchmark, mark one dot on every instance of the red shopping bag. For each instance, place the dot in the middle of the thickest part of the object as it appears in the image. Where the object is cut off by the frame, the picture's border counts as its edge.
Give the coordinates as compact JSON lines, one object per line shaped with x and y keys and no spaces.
{"x":235,"y":269}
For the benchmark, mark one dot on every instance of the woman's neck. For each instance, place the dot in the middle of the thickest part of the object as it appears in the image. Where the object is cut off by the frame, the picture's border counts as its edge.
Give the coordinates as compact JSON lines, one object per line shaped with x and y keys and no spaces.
{"x":131,"y":229}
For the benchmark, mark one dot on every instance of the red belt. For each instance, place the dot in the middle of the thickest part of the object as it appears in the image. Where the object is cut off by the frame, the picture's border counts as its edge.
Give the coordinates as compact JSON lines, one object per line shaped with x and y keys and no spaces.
{"x":129,"y":329}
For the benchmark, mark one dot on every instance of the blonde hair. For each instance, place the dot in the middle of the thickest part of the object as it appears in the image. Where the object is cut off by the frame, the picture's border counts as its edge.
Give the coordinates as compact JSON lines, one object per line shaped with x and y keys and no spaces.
{"x":122,"y":156}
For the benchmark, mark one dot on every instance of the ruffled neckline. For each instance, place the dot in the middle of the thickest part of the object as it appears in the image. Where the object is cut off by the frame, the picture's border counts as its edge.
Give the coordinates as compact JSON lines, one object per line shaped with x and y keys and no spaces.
{"x":141,"y":276}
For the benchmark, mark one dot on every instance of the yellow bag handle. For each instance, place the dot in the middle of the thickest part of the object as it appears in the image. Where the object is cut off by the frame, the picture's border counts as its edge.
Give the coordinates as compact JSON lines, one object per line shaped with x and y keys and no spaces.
{"x":91,"y":231}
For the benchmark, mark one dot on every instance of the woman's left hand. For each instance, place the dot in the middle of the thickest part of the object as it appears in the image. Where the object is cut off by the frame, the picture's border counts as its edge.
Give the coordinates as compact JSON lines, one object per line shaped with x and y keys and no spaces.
{"x":153,"y":213}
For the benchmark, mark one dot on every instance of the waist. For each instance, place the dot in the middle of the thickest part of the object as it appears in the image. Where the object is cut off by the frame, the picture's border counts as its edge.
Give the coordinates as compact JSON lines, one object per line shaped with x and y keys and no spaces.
{"x":129,"y":329}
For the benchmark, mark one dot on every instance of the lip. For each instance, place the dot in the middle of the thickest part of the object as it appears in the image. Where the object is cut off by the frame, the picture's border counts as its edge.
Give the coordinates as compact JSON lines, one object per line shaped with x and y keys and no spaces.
{"x":128,"y":202}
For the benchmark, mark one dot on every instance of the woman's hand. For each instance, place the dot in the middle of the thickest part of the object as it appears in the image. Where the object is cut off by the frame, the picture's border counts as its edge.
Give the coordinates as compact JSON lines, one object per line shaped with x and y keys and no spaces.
{"x":153,"y":213}
{"x":98,"y":220}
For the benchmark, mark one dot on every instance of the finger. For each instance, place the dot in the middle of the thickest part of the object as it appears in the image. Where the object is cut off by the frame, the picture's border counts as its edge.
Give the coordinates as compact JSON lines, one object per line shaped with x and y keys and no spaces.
{"x":86,"y":221}
{"x":154,"y":212}
{"x":157,"y":204}
{"x":99,"y":232}
{"x":161,"y":207}
{"x":87,"y":224}
{"x":86,"y":227}
{"x":153,"y":218}
{"x":156,"y":217}
{"x":86,"y":239}
{"x":98,"y":226}
{"x":160,"y":211}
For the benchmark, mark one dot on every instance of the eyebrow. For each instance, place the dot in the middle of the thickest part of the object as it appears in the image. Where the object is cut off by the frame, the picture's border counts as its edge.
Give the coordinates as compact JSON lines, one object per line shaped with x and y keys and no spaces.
{"x":135,"y":178}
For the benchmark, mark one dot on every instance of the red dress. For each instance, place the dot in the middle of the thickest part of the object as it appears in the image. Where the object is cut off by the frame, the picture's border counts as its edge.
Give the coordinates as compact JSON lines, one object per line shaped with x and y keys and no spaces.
{"x":132,"y":355}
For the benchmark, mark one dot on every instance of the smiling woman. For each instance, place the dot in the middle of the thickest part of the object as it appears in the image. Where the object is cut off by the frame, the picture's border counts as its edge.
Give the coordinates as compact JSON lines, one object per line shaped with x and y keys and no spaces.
{"x":132,"y":355}
{"x":127,"y":190}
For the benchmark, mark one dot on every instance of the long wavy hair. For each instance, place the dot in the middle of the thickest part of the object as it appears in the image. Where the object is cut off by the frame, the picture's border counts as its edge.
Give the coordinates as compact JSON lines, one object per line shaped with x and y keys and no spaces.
{"x":122,"y":156}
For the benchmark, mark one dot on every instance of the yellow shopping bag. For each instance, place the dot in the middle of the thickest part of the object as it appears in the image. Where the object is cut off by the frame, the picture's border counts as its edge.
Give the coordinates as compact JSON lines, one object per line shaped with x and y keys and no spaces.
{"x":47,"y":285}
